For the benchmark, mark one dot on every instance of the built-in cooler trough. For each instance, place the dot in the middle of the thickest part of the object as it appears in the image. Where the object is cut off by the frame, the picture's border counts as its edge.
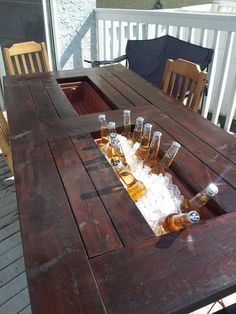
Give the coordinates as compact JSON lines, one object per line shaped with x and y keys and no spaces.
{"x":84,"y":97}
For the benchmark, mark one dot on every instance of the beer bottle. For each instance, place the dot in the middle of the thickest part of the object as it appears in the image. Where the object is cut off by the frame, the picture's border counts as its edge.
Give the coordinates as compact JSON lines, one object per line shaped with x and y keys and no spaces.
{"x":142,"y":151}
{"x":167,"y":159}
{"x":112,"y":137}
{"x":151,"y":159}
{"x":104,"y":129}
{"x":126,"y":124}
{"x":199,"y":199}
{"x":138,"y":130}
{"x":176,"y":222}
{"x":118,"y":153}
{"x":135,"y":188}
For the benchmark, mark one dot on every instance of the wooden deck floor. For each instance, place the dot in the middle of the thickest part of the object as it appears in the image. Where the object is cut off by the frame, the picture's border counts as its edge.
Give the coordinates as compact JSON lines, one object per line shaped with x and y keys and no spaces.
{"x":14,"y":296}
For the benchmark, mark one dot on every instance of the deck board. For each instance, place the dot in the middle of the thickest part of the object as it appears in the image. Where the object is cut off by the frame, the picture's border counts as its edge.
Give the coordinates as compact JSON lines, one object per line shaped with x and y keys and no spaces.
{"x":14,"y":295}
{"x":18,"y":304}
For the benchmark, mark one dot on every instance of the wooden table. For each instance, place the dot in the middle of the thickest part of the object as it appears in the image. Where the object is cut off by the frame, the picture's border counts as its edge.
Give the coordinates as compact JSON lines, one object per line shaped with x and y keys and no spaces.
{"x":87,"y":247}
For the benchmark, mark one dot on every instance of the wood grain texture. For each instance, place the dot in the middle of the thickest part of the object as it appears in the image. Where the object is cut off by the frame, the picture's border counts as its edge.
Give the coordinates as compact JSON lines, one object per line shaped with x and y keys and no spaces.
{"x":57,"y":267}
{"x":94,"y":224}
{"x":62,"y":105}
{"x":155,"y":271}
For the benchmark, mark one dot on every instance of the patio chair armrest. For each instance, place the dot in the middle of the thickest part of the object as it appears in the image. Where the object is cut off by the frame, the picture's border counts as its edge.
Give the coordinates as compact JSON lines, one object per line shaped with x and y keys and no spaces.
{"x":106,"y":62}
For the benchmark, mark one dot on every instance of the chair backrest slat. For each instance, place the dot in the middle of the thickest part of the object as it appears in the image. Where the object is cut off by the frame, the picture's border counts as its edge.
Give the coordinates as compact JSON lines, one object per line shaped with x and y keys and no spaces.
{"x":17,"y":64}
{"x":185,"y":81}
{"x":172,"y":83}
{"x":179,"y":84}
{"x":31,"y":63}
{"x":39,"y":62}
{"x":24,"y":64}
{"x":30,"y":52}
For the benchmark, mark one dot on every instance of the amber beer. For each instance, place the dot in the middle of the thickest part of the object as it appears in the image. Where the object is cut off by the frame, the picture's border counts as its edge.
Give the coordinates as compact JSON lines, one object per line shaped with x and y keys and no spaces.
{"x":142,"y":151}
{"x":176,"y":222}
{"x":118,"y":153}
{"x":151,"y":159}
{"x":199,"y":199}
{"x":104,"y":130}
{"x":112,"y":137}
{"x":135,"y":188}
{"x":167,"y":159}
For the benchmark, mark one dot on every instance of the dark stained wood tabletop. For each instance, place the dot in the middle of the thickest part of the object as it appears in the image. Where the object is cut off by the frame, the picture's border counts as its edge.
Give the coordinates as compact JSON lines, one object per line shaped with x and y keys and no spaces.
{"x":87,"y":247}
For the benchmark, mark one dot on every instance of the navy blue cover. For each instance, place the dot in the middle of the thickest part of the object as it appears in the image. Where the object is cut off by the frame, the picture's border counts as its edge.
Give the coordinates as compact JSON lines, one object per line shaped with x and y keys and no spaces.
{"x":148,"y":57}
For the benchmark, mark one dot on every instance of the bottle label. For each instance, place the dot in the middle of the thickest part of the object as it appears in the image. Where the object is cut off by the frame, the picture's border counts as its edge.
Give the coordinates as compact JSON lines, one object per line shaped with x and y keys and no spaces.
{"x":117,"y":164}
{"x":193,"y":217}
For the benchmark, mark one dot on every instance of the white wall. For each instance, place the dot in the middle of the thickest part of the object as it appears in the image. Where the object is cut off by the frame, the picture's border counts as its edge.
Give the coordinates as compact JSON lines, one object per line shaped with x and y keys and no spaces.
{"x":74,"y":32}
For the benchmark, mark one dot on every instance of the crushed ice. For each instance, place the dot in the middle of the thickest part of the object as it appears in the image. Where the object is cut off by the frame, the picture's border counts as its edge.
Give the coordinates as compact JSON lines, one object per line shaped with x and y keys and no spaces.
{"x":162,"y":197}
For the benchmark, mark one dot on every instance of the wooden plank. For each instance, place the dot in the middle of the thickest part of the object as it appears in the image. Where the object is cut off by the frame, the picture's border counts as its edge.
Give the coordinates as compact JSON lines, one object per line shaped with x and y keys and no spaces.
{"x":11,"y":256}
{"x":12,"y":288}
{"x":97,"y":231}
{"x":112,"y":96}
{"x":43,"y":103}
{"x":57,"y":266}
{"x":217,"y":138}
{"x":18,"y":304}
{"x":58,"y":98}
{"x":160,"y":284}
{"x":125,"y":216}
{"x":8,"y":219}
{"x":12,"y":271}
{"x":127,"y":91}
{"x":20,"y":108}
{"x":9,"y":230}
{"x":10,"y":242}
{"x":26,"y":310}
{"x":90,"y":123}
{"x":9,"y":208}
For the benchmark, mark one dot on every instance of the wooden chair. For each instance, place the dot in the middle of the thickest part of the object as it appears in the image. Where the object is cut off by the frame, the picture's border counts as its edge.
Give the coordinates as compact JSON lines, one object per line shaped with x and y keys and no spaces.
{"x":184,"y":81}
{"x":4,"y":141}
{"x":27,"y":57}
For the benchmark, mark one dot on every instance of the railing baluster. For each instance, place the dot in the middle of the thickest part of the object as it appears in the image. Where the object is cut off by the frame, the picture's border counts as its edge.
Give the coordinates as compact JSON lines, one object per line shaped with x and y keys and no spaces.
{"x":112,"y":40}
{"x":211,"y":76}
{"x":222,"y":78}
{"x":230,"y":115}
{"x":119,"y":37}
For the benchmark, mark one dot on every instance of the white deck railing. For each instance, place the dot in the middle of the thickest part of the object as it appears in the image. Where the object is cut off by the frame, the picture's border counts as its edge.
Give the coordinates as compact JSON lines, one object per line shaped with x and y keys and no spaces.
{"x":216,"y":31}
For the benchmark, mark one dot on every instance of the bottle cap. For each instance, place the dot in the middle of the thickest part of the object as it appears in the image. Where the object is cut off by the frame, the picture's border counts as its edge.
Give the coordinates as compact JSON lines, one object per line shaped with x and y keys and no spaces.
{"x":126,"y":112}
{"x":117,"y":164}
{"x":111,"y":125}
{"x":147,"y":126}
{"x":101,"y":117}
{"x":157,"y":134}
{"x":193,"y":217}
{"x":211,"y":190}
{"x":140,"y":119}
{"x":176,"y":144}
